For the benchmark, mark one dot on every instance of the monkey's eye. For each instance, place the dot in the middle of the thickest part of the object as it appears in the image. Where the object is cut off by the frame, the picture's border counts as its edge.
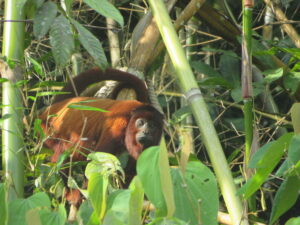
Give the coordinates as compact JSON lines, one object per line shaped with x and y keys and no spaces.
{"x":139,"y":123}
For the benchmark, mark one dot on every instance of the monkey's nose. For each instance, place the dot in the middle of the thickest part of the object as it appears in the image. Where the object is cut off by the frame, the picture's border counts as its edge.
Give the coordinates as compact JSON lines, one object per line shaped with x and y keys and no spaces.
{"x":145,"y":140}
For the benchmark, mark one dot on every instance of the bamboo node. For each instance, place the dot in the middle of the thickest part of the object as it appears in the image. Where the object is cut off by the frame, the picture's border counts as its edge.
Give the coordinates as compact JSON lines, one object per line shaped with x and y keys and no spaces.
{"x":192,"y":94}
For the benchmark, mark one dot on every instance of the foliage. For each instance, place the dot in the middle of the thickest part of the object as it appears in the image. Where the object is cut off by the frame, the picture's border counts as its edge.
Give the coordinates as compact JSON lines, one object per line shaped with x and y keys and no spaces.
{"x":60,"y":29}
{"x":107,"y":205}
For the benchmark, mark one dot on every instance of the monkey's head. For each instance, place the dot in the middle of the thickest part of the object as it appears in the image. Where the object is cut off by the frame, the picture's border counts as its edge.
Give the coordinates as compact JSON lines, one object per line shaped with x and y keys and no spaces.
{"x":144,"y":129}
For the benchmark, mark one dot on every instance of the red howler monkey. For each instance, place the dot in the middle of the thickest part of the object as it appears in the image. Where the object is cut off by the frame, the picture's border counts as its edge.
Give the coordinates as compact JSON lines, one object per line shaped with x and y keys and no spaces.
{"x":128,"y":125}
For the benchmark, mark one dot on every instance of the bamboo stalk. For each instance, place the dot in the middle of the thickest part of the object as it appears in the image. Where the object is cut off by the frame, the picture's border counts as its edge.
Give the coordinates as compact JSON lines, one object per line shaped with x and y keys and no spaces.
{"x":200,"y":112}
{"x":12,"y":132}
{"x":247,"y":88}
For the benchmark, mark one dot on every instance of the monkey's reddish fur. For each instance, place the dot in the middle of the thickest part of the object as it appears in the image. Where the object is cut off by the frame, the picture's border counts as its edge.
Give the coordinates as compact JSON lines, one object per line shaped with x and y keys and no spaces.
{"x":111,"y":131}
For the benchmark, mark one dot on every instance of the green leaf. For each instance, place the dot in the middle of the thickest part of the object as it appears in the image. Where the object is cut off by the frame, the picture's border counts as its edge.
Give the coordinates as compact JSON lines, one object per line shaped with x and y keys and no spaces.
{"x":37,"y":66}
{"x":3,"y":203}
{"x":97,"y":190}
{"x":91,"y":44}
{"x":272,"y":75}
{"x":253,"y":163}
{"x":33,"y":217}
{"x":61,"y":40}
{"x":103,"y":163}
{"x":293,"y":221}
{"x":118,"y":208}
{"x":136,"y":202}
{"x":61,"y":159}
{"x":106,"y":9}
{"x":291,"y":81}
{"x":264,"y":60}
{"x":266,"y":164}
{"x":167,"y":221}
{"x":295,"y":112}
{"x":22,"y":206}
{"x":85,"y":212}
{"x":43,"y":19}
{"x":148,"y":173}
{"x":67,"y":5}
{"x":165,"y":179}
{"x":94,"y":219}
{"x":46,"y":93}
{"x":37,"y":129}
{"x":236,"y":94}
{"x":85,"y":107}
{"x":180,"y":114}
{"x":196,"y":195}
{"x":295,"y":170}
{"x":47,"y":216}
{"x":230,"y":69}
{"x":214,"y":81}
{"x":285,"y":197}
{"x":202,"y":67}
{"x":293,"y":156}
{"x":31,"y":7}
{"x":125,"y":206}
{"x":113,"y":217}
{"x":2,"y":80}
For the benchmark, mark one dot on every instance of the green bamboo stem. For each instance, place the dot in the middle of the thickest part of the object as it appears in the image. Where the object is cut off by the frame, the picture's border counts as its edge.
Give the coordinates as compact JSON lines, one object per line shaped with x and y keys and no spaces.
{"x":12,"y":132}
{"x":247,"y":80}
{"x":189,"y":86}
{"x":247,"y":91}
{"x":248,"y":123}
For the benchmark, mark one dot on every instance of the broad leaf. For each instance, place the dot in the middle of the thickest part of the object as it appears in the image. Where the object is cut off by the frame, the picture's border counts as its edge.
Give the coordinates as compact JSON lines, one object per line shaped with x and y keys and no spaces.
{"x":91,"y":44}
{"x":293,"y":221}
{"x":230,"y":69}
{"x":293,"y":156}
{"x":168,"y":221}
{"x":295,"y":112}
{"x":37,"y":66}
{"x":196,"y":197}
{"x":61,"y":40}
{"x":97,"y":190}
{"x":47,"y":216}
{"x":106,"y":9}
{"x":103,"y":163}
{"x":285,"y":197}
{"x":214,"y":81}
{"x":136,"y":202}
{"x":202,"y":67}
{"x":85,"y":212}
{"x":272,"y":75}
{"x":112,"y":217}
{"x":22,"y":206}
{"x":118,"y":208}
{"x":291,"y":81}
{"x":266,"y":164}
{"x":43,"y":19}
{"x":148,"y":173}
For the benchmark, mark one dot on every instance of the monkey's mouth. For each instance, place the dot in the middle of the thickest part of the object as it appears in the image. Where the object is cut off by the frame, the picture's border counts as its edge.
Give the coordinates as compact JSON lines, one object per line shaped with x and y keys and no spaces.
{"x":146,"y":141}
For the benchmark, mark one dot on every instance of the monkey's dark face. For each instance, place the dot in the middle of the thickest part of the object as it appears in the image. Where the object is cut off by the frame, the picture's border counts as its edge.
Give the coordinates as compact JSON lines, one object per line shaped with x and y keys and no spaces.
{"x":145,"y":134}
{"x":143,"y":130}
